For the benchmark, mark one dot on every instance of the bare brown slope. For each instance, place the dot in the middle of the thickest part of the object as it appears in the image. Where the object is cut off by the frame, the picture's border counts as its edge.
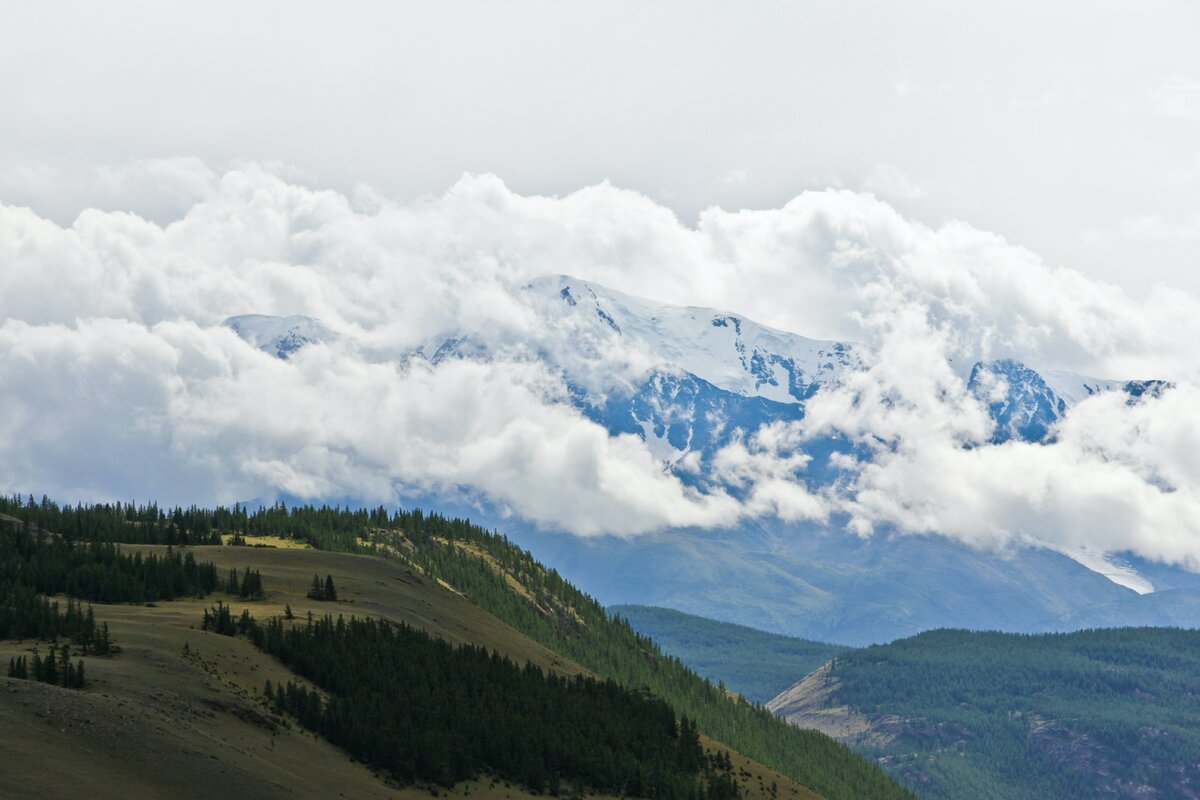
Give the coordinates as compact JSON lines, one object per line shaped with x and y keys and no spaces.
{"x":176,"y":713}
{"x":810,"y":703}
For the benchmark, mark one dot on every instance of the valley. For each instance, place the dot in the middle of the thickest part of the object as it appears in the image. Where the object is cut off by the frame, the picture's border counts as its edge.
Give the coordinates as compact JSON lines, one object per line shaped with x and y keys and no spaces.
{"x":960,"y":714}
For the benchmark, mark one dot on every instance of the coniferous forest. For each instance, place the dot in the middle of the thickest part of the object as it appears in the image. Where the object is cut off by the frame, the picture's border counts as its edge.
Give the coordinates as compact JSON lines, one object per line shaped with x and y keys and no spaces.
{"x":99,"y":571}
{"x":1094,"y":713}
{"x":430,"y":712}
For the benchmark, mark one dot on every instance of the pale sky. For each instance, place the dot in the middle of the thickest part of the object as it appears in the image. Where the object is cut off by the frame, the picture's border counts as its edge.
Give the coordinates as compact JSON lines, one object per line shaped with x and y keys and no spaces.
{"x":1072,"y":130}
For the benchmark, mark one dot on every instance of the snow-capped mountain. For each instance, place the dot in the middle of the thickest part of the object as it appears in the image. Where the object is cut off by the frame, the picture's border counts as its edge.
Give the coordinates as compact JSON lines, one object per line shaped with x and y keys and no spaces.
{"x":706,"y":374}
{"x":279,"y":336}
{"x":712,"y":374}
{"x":1026,"y":404}
{"x":1018,"y":400}
{"x":722,"y":349}
{"x":687,"y":380}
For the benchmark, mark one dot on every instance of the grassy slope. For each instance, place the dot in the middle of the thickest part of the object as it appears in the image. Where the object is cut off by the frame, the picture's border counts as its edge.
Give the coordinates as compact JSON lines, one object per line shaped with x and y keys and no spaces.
{"x":510,"y":583}
{"x":156,"y":722}
{"x":1103,"y":713}
{"x":755,"y":664}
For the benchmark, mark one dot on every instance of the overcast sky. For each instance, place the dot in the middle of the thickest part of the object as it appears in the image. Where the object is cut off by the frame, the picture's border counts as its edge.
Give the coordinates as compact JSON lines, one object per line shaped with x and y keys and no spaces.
{"x":1072,"y":130}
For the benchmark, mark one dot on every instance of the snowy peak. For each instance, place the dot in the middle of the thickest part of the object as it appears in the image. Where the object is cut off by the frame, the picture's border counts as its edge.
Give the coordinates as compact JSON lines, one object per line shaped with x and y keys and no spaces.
{"x":1026,"y":404}
{"x":1017,"y":398}
{"x":723,"y":349}
{"x":278,"y":336}
{"x":1074,"y":388}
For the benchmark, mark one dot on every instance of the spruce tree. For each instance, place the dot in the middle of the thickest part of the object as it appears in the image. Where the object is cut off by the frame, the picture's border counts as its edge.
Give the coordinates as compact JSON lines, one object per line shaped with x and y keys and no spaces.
{"x":64,"y":666}
{"x":50,"y":669}
{"x":330,"y":592}
{"x":315,"y":592}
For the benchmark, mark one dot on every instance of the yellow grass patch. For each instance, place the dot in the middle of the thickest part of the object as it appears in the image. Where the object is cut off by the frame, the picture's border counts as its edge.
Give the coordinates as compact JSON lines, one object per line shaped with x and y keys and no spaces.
{"x":269,"y":541}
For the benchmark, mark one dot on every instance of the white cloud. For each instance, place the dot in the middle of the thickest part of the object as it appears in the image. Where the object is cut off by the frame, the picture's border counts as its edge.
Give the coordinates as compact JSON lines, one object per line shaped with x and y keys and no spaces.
{"x":117,"y":381}
{"x":1119,"y":475}
{"x":111,"y":408}
{"x":160,"y":189}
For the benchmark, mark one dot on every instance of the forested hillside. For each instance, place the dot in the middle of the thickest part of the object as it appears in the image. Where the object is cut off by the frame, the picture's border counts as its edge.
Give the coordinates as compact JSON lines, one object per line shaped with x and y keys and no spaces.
{"x":755,"y":664}
{"x":509,"y":583}
{"x":1099,"y":713}
{"x":426,"y":711}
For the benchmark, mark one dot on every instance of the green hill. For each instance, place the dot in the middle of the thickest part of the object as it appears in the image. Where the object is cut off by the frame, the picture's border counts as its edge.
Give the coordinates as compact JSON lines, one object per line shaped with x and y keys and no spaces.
{"x":755,"y":664}
{"x":956,"y":714}
{"x":499,"y":579}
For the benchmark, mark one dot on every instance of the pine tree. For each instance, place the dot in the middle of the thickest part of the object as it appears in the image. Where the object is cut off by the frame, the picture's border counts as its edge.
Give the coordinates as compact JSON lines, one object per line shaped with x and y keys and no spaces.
{"x":231,"y":585}
{"x":330,"y":592}
{"x":65,"y":671}
{"x":315,"y":592}
{"x":50,"y":669}
{"x":89,"y":630}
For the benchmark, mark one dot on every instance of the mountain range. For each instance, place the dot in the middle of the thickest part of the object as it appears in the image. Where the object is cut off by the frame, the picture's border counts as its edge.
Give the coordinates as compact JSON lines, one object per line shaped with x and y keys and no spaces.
{"x":688,"y":382}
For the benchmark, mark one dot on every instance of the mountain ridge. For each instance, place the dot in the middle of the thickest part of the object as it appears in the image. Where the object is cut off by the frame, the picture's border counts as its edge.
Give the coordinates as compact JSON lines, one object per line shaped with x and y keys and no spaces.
{"x":704,"y":379}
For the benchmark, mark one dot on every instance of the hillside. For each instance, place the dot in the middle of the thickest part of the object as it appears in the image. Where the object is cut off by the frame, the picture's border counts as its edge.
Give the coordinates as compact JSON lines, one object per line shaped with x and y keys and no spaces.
{"x":511,"y":585}
{"x":755,"y":664}
{"x":1099,"y":713}
{"x":177,"y":712}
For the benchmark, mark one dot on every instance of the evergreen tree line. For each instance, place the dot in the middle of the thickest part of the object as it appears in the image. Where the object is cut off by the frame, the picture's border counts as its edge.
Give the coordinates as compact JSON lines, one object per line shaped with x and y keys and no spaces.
{"x":426,"y":711}
{"x":25,"y":615}
{"x":58,"y":671}
{"x":114,"y":522}
{"x":325,"y":527}
{"x":99,"y":571}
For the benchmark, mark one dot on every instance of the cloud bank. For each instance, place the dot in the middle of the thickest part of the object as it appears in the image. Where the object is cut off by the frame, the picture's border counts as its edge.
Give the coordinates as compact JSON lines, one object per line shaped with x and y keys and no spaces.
{"x":117,"y":379}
